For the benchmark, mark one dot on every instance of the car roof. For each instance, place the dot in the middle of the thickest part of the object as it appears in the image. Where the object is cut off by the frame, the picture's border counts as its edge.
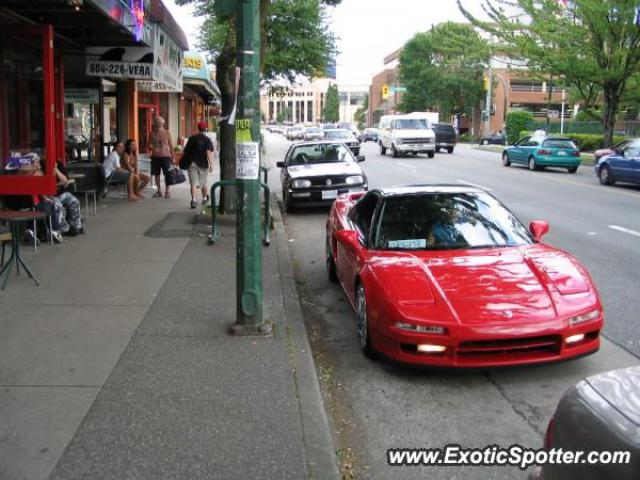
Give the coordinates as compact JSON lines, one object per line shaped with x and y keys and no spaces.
{"x":428,"y":188}
{"x":316,"y":142}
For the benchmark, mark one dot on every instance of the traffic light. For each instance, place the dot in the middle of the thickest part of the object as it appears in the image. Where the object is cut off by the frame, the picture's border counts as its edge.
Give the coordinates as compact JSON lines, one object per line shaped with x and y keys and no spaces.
{"x":385,"y":91}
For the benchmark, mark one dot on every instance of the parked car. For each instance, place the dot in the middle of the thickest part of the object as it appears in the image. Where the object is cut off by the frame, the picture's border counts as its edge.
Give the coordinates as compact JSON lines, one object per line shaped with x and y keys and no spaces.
{"x":295,"y":133}
{"x":346,"y":137}
{"x":445,"y":136}
{"x":447,"y":276}
{"x":403,"y":134}
{"x":540,"y":152}
{"x":315,"y":173}
{"x":622,"y":166}
{"x":601,"y":413}
{"x":369,"y":135}
{"x":313,"y":133}
{"x":352,"y":127}
{"x":494,"y":139}
{"x":603,"y":152}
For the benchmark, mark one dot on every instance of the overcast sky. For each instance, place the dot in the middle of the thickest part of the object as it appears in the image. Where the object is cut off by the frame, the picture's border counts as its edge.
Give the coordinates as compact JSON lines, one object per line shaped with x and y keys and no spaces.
{"x":367,"y":30}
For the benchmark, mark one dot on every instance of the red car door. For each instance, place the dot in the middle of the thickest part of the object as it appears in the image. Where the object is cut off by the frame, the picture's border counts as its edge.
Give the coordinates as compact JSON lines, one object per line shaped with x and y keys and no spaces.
{"x":351,"y":255}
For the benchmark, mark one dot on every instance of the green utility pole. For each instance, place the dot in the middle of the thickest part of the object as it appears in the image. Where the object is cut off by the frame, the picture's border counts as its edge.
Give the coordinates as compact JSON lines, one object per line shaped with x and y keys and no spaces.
{"x":248,"y":222}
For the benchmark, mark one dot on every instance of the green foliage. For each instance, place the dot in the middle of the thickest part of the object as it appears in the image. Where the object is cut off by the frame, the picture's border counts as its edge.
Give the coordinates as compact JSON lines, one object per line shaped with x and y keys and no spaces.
{"x":361,"y":114}
{"x":284,"y":115}
{"x":516,"y":122}
{"x":593,"y":45}
{"x":467,"y":138}
{"x":442,"y":70}
{"x":331,"y":112}
{"x":586,"y":142}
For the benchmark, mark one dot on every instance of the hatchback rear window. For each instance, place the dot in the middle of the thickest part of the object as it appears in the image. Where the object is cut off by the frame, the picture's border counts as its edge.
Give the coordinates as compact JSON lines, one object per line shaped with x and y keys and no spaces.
{"x":558,"y":143}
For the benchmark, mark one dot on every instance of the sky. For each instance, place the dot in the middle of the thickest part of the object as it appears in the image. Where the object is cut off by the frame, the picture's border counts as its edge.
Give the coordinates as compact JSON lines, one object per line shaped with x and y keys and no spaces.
{"x":367,"y":30}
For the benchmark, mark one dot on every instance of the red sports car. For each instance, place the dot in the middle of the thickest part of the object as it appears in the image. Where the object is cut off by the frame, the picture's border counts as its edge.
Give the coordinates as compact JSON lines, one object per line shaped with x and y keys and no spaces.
{"x":447,"y":276}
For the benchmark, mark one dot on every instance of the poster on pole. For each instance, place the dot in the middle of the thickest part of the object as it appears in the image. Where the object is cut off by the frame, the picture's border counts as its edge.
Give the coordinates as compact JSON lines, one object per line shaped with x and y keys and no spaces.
{"x":247,"y":161}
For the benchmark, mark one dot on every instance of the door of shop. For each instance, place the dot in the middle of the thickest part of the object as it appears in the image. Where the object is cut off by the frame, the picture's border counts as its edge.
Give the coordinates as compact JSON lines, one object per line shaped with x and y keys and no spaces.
{"x":146,"y":114}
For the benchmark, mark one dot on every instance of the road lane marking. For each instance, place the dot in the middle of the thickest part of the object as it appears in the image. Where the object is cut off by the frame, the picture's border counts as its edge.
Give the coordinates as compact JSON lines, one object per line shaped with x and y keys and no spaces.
{"x":406,"y":165}
{"x":624,"y":230}
{"x":475,"y":185}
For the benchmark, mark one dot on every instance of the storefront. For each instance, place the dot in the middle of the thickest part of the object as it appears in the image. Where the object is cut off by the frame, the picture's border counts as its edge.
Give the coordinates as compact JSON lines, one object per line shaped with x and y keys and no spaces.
{"x":200,"y":95}
{"x":67,"y":82}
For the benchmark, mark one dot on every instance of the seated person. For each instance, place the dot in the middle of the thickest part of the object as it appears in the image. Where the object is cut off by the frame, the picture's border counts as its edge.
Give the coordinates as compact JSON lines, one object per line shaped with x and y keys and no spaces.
{"x":444,"y":232}
{"x":114,"y":172}
{"x":129,"y":161}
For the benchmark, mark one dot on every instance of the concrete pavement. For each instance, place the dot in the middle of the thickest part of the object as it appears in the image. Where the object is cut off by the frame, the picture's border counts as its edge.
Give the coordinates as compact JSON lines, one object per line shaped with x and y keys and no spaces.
{"x":120,"y":365}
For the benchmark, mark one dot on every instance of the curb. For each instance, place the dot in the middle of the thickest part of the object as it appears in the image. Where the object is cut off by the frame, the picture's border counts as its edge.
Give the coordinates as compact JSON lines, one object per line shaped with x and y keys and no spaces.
{"x":321,"y":458}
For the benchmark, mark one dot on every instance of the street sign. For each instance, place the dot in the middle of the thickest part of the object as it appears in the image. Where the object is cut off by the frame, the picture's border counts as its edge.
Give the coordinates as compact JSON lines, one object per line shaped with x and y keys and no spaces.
{"x":385,"y":91}
{"x":398,"y":89}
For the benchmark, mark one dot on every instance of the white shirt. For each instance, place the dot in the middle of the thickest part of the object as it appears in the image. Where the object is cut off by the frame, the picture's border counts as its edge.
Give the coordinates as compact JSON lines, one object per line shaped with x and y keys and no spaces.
{"x":111,"y":163}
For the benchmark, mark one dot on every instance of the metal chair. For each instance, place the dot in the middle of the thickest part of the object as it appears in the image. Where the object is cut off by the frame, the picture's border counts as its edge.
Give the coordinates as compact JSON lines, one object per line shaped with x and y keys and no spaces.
{"x":108,"y":182}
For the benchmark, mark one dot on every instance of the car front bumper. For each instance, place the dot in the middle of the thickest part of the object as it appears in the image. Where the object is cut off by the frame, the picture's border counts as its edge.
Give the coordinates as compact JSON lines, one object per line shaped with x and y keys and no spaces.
{"x":477,"y":347}
{"x":417,"y":148}
{"x":321,"y":196}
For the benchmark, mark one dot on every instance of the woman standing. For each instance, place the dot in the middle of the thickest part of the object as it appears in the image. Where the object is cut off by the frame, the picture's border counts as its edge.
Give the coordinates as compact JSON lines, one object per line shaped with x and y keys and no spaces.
{"x":129,"y":161}
{"x":161,"y":146}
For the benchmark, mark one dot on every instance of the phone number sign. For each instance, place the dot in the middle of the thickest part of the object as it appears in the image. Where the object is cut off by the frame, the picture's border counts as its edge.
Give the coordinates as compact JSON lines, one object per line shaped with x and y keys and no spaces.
{"x":101,"y":68}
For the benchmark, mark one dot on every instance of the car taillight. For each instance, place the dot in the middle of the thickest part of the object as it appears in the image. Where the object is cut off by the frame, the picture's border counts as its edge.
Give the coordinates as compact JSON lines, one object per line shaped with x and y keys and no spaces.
{"x":575,"y":153}
{"x":544,"y":151}
{"x":548,"y":436}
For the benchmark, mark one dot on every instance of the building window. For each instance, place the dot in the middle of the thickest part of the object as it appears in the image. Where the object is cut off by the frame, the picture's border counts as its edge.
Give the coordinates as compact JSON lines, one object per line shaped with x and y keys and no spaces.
{"x":310,"y":111}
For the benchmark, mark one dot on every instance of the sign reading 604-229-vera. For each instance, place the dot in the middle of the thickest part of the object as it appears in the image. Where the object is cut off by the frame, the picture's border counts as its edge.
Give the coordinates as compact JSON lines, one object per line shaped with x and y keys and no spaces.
{"x":247,"y":161}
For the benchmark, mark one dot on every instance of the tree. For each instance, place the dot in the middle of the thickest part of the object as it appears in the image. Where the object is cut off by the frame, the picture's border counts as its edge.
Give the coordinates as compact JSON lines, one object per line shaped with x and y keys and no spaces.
{"x":361,"y":114}
{"x":517,"y":122}
{"x":594,"y":45}
{"x":442,"y":69}
{"x":295,"y":40}
{"x":284,"y":115}
{"x":331,"y":112}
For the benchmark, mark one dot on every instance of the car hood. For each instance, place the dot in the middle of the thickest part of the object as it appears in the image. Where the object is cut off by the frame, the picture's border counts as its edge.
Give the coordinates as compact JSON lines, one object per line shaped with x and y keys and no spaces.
{"x":512,"y":285}
{"x":414,"y":133}
{"x":603,"y":151}
{"x":621,"y":388}
{"x":324,"y":169}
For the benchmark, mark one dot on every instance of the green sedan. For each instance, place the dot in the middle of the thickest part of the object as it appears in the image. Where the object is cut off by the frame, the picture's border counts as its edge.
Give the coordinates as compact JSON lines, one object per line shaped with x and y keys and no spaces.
{"x":539,"y":152}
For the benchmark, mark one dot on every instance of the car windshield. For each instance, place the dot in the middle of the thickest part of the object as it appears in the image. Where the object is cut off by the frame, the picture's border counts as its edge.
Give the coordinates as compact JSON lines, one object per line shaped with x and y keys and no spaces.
{"x":348,"y":126}
{"x":411,"y":124}
{"x":558,"y":143}
{"x":314,"y":130}
{"x":338,"y":134}
{"x":320,"y":153}
{"x":444,"y":221}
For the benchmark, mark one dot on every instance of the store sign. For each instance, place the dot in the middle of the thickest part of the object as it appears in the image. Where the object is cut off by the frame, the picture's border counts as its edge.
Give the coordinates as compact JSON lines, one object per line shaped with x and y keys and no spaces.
{"x":167,"y":60}
{"x":131,"y":15}
{"x":150,"y":86}
{"x":160,"y":63}
{"x":81,"y":95}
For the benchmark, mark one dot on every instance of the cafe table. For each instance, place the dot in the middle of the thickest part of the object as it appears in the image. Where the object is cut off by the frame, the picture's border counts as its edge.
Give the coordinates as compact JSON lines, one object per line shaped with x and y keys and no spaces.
{"x":15,"y":218}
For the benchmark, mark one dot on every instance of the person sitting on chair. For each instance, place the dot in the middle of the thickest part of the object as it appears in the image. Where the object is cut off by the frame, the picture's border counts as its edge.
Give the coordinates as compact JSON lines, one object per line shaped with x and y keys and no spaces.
{"x":129,"y":161}
{"x":115,"y":173}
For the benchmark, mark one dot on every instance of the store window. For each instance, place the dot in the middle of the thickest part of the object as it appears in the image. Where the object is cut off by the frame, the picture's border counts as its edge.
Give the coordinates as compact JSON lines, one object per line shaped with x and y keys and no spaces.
{"x":27,"y":126}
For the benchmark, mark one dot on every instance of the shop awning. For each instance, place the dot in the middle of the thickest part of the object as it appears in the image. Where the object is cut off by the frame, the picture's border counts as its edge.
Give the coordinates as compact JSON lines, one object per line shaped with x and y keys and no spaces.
{"x":198,"y":76}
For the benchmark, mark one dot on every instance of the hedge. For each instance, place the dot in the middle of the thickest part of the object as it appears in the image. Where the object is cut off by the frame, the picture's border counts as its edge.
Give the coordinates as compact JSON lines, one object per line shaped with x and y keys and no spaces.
{"x":586,"y":142}
{"x":516,"y":122}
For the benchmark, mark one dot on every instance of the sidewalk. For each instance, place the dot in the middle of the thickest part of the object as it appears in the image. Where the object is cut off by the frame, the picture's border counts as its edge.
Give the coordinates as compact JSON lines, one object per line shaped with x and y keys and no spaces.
{"x":119,"y":366}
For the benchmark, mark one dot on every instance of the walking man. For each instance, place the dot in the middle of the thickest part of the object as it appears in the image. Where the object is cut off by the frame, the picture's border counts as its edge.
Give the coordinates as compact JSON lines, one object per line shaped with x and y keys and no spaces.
{"x":198,"y":153}
{"x":161,"y":146}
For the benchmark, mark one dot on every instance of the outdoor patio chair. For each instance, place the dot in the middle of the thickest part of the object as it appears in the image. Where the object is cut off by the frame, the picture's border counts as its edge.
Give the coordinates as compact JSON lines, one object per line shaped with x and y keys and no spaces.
{"x":108,"y":183}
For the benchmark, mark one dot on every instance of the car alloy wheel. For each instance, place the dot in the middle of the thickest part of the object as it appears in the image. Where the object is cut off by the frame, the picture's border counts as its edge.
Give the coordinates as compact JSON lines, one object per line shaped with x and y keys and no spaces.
{"x":604,"y":175}
{"x":532,"y":164}
{"x":505,"y":159}
{"x":485,"y":142}
{"x":363,"y":322}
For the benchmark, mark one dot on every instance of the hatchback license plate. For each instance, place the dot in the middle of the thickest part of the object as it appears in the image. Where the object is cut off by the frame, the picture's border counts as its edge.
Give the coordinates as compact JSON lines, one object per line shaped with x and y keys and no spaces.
{"x":329,"y":194}
{"x":562,"y":154}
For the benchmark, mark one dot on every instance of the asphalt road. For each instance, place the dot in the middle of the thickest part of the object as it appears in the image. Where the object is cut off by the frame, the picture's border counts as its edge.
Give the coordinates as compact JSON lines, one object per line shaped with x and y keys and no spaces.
{"x":376,"y":405}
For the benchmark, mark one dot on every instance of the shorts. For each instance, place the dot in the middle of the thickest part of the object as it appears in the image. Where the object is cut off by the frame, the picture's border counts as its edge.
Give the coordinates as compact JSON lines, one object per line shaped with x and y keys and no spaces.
{"x":119,"y":176}
{"x":198,"y":175}
{"x":160,"y":163}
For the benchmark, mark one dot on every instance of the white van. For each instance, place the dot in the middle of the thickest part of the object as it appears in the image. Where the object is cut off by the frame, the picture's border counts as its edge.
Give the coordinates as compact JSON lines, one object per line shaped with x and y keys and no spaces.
{"x":402,"y":134}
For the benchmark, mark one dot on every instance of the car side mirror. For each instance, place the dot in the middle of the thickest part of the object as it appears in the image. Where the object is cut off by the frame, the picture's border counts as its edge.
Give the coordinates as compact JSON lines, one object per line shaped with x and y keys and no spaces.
{"x":280,"y":165}
{"x":348,"y":238}
{"x":538,"y":229}
{"x":361,"y":158}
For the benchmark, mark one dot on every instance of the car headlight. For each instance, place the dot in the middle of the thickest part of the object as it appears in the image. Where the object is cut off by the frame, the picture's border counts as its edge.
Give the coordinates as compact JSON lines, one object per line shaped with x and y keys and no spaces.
{"x":354,"y":180}
{"x":585,"y":317}
{"x":421,"y":328}
{"x":301,"y":183}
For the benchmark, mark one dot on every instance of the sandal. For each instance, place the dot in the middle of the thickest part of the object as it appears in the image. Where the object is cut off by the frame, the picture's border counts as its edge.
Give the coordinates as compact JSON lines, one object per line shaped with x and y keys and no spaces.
{"x":157,"y":195}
